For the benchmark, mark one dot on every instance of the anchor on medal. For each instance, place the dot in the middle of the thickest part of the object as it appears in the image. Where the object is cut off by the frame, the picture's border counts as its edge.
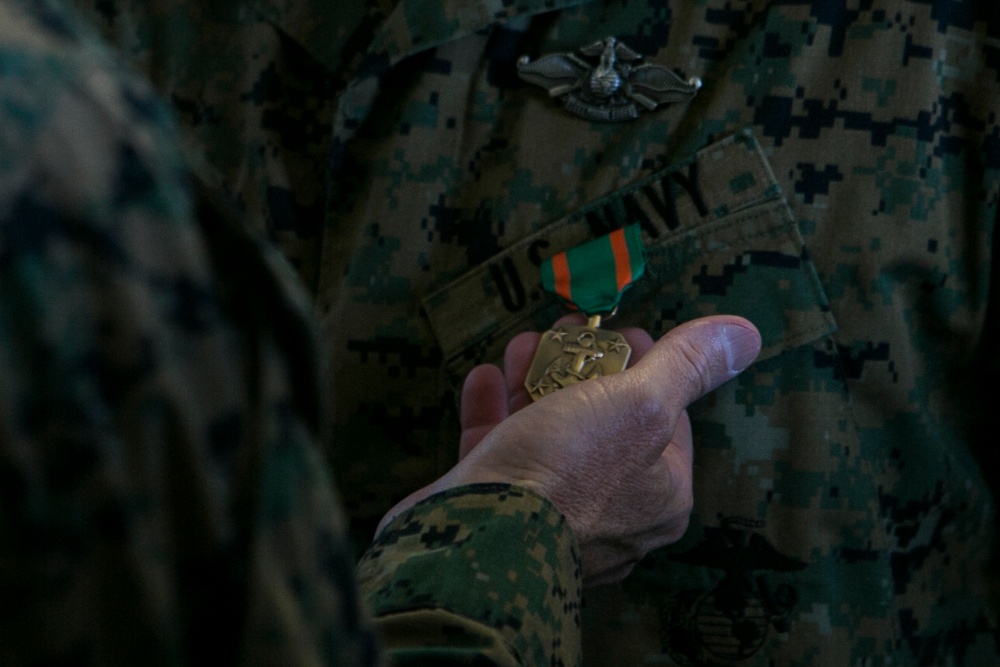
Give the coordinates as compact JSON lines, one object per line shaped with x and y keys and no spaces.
{"x":590,"y":278}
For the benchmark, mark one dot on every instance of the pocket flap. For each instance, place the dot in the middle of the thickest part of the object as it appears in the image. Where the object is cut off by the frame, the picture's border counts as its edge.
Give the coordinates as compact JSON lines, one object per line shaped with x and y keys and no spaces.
{"x":720,"y":238}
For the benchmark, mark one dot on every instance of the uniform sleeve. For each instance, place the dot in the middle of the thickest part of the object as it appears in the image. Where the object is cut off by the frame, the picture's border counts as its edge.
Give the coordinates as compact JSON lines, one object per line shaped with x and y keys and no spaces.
{"x":479,"y":575}
{"x":162,"y":498}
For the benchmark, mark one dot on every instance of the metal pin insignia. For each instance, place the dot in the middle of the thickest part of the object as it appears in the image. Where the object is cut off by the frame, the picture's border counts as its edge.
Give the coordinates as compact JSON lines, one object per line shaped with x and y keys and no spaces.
{"x":607,"y":82}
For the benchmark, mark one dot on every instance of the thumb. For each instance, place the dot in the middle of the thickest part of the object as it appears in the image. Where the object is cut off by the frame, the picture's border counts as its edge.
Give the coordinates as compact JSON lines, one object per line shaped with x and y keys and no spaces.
{"x":696,"y":357}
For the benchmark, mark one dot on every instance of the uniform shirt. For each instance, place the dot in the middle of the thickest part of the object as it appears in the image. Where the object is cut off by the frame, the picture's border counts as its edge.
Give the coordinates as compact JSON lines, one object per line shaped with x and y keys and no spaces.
{"x":162,"y":496}
{"x":835,"y":181}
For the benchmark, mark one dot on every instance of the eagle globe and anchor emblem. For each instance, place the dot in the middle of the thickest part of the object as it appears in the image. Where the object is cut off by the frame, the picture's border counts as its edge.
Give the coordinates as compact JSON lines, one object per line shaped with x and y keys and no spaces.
{"x":607,"y":82}
{"x":755,"y":595}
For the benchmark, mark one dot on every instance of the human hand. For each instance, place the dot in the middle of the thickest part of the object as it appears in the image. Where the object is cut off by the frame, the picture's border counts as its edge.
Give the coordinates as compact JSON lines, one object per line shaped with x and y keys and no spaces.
{"x":491,"y":395}
{"x":614,"y":454}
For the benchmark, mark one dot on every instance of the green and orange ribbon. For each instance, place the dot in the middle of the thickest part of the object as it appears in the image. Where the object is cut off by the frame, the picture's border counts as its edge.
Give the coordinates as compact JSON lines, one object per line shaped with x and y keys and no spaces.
{"x":592,"y":277}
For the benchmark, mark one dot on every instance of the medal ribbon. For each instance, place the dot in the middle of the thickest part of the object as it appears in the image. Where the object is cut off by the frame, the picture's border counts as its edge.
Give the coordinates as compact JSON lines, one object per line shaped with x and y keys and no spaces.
{"x":592,"y":277}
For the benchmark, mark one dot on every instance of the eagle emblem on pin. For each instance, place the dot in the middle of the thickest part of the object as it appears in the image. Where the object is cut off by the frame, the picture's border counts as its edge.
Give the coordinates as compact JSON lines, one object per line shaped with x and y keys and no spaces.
{"x":607,"y":81}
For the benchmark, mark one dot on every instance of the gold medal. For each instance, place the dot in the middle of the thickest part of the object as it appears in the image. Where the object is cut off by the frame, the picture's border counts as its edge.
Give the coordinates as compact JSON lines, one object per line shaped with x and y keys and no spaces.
{"x":590,"y":278}
{"x":570,"y":354}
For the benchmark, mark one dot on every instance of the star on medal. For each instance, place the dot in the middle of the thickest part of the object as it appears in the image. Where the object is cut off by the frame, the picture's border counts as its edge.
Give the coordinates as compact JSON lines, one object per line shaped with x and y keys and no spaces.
{"x":590,"y":278}
{"x":557,"y":335}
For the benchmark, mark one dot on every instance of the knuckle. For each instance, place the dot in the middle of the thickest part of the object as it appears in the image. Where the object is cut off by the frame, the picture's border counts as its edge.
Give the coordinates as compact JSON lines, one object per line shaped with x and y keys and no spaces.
{"x":694,"y":365}
{"x":644,"y":400}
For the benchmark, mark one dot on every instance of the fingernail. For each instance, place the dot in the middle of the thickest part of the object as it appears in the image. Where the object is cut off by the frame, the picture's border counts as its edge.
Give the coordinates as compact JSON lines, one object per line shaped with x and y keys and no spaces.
{"x":742,"y":346}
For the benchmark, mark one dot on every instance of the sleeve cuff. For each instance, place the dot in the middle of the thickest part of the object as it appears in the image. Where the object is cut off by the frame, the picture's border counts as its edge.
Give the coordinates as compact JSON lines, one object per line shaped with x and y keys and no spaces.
{"x":499,"y":555}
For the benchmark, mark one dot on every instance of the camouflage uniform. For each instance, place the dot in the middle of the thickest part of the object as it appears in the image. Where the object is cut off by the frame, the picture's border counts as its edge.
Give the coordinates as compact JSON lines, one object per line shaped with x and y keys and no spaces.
{"x":835,"y":181}
{"x":162,"y":496}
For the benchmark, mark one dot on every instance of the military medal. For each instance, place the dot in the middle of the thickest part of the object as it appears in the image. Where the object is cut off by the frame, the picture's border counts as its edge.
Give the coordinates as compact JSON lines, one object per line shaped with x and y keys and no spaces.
{"x":607,"y":81}
{"x":590,"y":278}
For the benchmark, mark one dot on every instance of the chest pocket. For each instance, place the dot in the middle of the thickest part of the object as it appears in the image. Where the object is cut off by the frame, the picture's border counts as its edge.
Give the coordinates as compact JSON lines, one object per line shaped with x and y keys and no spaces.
{"x":720,"y":239}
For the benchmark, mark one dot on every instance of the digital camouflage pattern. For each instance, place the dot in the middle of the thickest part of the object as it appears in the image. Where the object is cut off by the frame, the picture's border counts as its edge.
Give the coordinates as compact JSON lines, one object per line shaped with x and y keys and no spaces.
{"x":835,"y":181}
{"x":163,"y":500}
{"x":162,"y":496}
{"x":487,"y":554}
